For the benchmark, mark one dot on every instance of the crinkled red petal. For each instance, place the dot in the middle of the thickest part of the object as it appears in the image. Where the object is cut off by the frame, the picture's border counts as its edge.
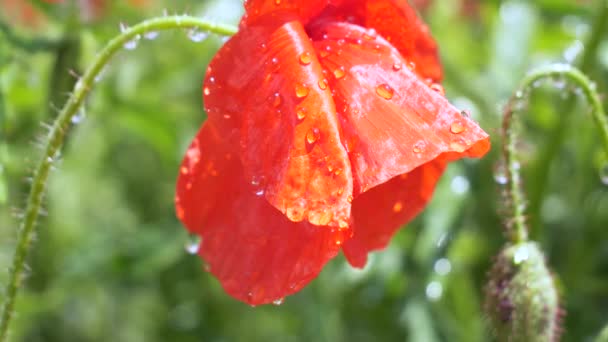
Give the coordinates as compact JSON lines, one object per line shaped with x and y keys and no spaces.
{"x":381,"y":211}
{"x":392,"y":121}
{"x":257,"y":254}
{"x":304,"y":10}
{"x":397,"y":22}
{"x":264,"y":85}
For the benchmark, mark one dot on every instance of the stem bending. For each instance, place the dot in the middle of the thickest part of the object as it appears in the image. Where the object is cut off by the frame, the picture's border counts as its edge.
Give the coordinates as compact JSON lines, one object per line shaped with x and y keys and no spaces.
{"x":518,"y":231}
{"x":56,"y":136}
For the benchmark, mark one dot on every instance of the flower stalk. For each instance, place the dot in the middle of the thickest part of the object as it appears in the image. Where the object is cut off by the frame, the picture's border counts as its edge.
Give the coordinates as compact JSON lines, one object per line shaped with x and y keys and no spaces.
{"x":518,"y":231}
{"x":56,"y":137}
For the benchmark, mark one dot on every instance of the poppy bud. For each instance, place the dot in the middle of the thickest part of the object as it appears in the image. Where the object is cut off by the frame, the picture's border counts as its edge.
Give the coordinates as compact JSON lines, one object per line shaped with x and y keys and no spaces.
{"x":521,"y":299}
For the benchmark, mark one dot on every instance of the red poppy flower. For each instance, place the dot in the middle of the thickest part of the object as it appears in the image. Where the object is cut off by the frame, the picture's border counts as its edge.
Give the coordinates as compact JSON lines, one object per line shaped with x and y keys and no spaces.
{"x":325,"y":131}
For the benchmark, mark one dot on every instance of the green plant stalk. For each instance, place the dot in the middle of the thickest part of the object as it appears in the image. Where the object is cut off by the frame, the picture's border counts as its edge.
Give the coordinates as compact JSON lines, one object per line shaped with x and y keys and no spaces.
{"x":549,"y":153}
{"x":56,"y":136}
{"x":519,"y":233}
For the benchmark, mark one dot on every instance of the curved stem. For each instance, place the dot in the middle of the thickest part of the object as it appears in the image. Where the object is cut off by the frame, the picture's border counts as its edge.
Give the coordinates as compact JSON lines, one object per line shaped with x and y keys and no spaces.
{"x":57,"y":134}
{"x":515,"y":193}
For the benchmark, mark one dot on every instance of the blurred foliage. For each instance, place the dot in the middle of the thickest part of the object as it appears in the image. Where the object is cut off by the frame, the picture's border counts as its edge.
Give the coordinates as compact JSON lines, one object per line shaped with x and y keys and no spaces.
{"x":109,"y":263}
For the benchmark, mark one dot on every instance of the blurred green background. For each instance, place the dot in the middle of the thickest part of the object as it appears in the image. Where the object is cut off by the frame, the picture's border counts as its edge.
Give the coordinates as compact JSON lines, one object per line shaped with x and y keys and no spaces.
{"x":109,"y":263}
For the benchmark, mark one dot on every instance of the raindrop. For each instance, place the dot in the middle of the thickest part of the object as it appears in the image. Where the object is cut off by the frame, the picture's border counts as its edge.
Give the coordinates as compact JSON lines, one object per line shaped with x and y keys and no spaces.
{"x":313,"y":135}
{"x":385,"y":91}
{"x":458,"y":145}
{"x":397,"y":207}
{"x":339,"y":73}
{"x":305,"y":58}
{"x":323,"y":84}
{"x":500,"y":173}
{"x":370,"y":35}
{"x":460,"y":185}
{"x":397,"y":66}
{"x":438,"y":88}
{"x":411,"y":66}
{"x":132,"y":44}
{"x":193,"y":244}
{"x":302,"y":90}
{"x":349,"y":199}
{"x":123,"y":27}
{"x":457,"y":127}
{"x":197,"y":36}
{"x":604,"y":174}
{"x":276,"y":99}
{"x":151,"y":35}
{"x":301,"y":114}
{"x":419,"y":146}
{"x":274,"y":60}
{"x":442,"y":266}
{"x":100,"y":75}
{"x":76,"y":119}
{"x":279,"y":301}
{"x":521,"y":254}
{"x":183,"y":170}
{"x":206,"y":91}
{"x":434,"y":291}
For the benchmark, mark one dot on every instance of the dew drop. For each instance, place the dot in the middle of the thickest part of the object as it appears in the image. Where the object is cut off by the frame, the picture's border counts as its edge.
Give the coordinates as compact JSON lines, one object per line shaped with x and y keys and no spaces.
{"x":370,"y":35}
{"x":76,"y":119}
{"x":323,"y":84}
{"x":305,"y":58}
{"x":151,"y":35}
{"x":132,"y":44}
{"x":206,"y":91}
{"x":179,"y":211}
{"x":123,"y":27}
{"x":397,"y":66}
{"x":349,"y":199}
{"x":301,"y":113}
{"x":500,"y":173}
{"x":385,"y":91}
{"x":324,"y":52}
{"x":302,"y":90}
{"x":339,"y":73}
{"x":193,"y":244}
{"x":197,"y":36}
{"x":419,"y":146}
{"x":313,"y":135}
{"x":458,"y":145}
{"x":184,"y":170}
{"x":604,"y":174}
{"x":276,"y":99}
{"x":438,"y":88}
{"x":398,"y":207}
{"x":279,"y":301}
{"x":274,"y":60}
{"x":411,"y":66}
{"x":457,"y":127}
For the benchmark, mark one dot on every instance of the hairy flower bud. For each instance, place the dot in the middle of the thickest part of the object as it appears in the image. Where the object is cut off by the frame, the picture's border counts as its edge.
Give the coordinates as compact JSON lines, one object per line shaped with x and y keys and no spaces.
{"x":521,"y":299}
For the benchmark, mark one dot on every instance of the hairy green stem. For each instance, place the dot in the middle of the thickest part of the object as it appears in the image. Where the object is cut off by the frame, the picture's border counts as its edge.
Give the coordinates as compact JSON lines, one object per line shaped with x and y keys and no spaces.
{"x":57,"y":134}
{"x":587,"y":61}
{"x":519,"y":231}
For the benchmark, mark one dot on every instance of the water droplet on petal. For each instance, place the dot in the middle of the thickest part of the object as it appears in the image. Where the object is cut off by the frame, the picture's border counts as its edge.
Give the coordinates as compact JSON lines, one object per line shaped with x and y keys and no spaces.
{"x":398,"y":207}
{"x":397,"y":66}
{"x":274,"y":60}
{"x":370,"y":35}
{"x":385,"y":91}
{"x":438,"y":88}
{"x":457,"y":127}
{"x":302,"y":90}
{"x":184,"y":170}
{"x":151,"y":35}
{"x":411,"y":66}
{"x":313,"y":135}
{"x":305,"y":58}
{"x":279,"y":301}
{"x":458,"y":145}
{"x":323,"y":84}
{"x":339,"y":72}
{"x":276,"y":99}
{"x":419,"y":146}
{"x":349,"y":199}
{"x":206,"y":91}
{"x":301,"y":113}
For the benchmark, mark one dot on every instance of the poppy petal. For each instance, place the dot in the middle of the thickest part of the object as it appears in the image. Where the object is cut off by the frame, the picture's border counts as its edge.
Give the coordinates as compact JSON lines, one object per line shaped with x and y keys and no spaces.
{"x":397,"y":22}
{"x":258,"y":255}
{"x":392,"y":121}
{"x":264,"y":84}
{"x":381,"y":211}
{"x":303,"y":9}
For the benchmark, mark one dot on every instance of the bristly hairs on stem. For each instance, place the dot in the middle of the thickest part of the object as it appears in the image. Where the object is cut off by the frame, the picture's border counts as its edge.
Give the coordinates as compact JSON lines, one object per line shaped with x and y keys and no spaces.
{"x":55,"y":138}
{"x":517,"y":230}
